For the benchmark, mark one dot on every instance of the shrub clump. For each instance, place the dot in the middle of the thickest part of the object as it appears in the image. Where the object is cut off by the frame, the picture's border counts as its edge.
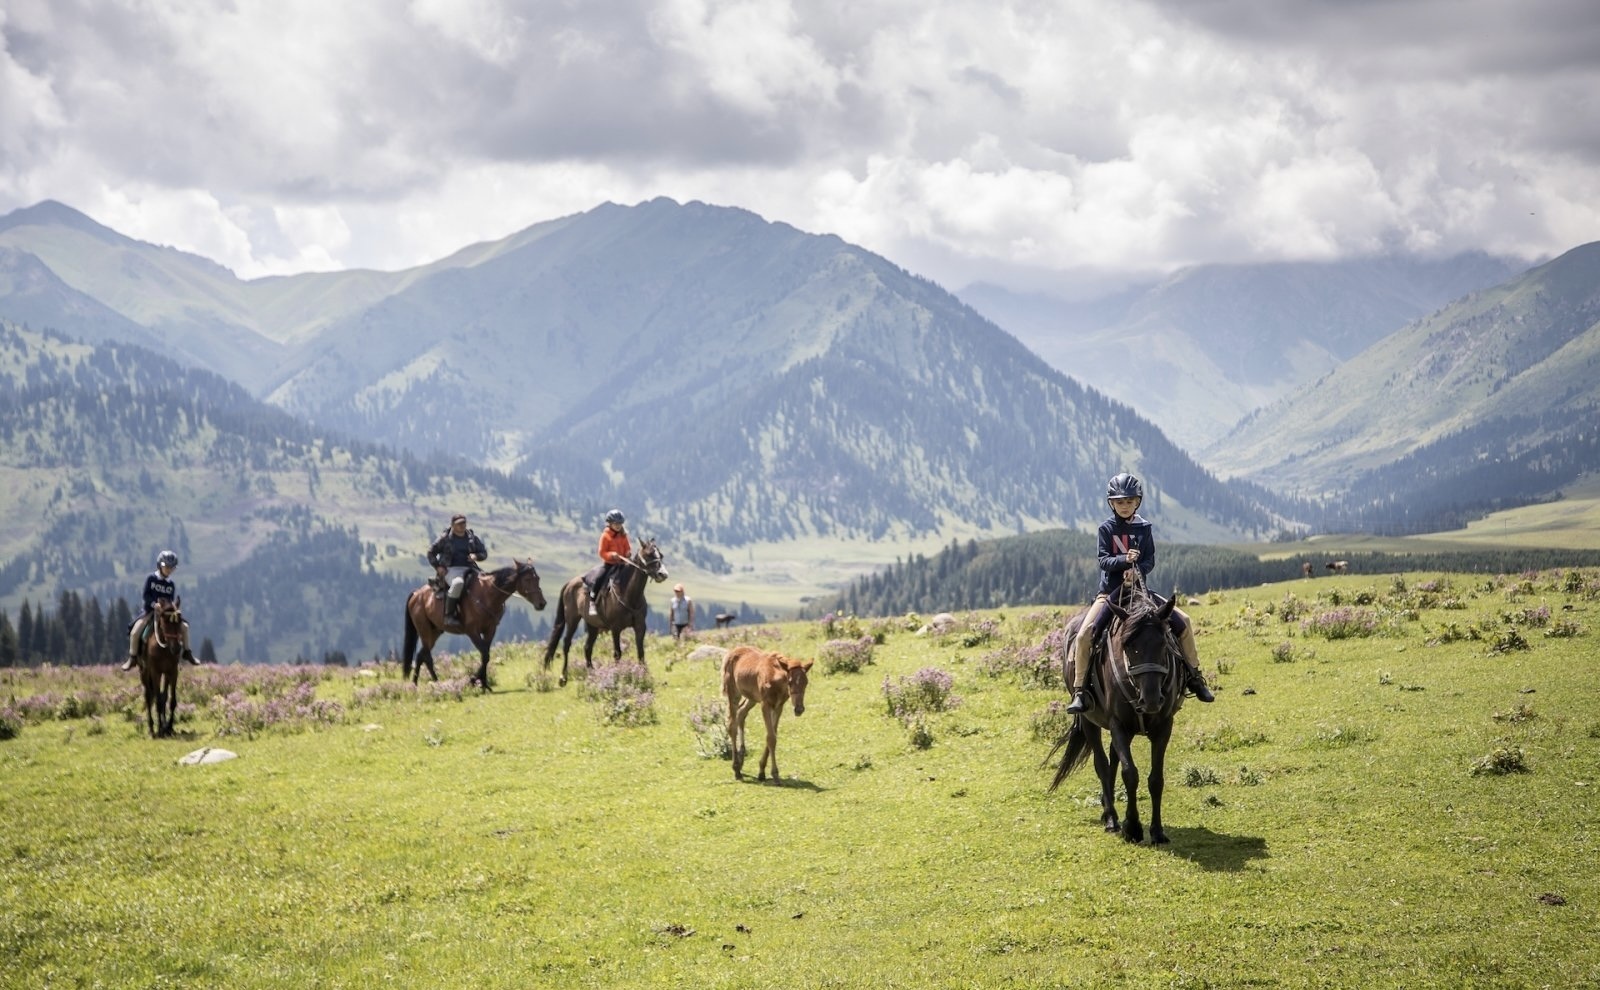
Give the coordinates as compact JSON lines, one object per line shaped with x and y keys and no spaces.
{"x":624,"y":692}
{"x":297,"y":709}
{"x":10,"y":723}
{"x":1345,"y":622}
{"x":928,"y":690}
{"x":1504,"y":760}
{"x":1037,"y":666}
{"x":845,"y":656}
{"x":708,"y":721}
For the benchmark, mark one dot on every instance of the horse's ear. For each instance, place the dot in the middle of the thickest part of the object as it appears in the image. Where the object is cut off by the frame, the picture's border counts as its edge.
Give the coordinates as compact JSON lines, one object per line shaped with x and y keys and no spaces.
{"x":1166,"y":607}
{"x":1117,"y":610}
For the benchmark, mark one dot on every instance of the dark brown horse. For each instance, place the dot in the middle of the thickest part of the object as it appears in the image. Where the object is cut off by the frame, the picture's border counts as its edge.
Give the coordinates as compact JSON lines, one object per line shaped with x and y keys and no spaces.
{"x":1138,"y":684}
{"x":482,"y":606}
{"x":158,"y":667}
{"x":619,"y":608}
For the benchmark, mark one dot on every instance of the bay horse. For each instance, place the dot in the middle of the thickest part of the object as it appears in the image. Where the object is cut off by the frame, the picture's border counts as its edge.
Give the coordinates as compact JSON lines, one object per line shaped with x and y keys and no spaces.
{"x":753,"y":677}
{"x":158,"y":667}
{"x":619,"y":609}
{"x":483,"y":604}
{"x":1138,"y":688}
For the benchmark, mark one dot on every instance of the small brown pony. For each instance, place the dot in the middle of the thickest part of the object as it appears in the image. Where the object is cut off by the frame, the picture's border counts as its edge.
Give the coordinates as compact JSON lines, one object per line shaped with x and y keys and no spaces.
{"x":620,"y":608}
{"x":483,"y":604}
{"x":158,"y":667}
{"x":751,"y":677}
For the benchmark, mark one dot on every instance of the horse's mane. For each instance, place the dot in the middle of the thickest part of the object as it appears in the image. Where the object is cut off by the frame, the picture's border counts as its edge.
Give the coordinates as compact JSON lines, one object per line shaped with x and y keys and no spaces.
{"x":1142,"y":607}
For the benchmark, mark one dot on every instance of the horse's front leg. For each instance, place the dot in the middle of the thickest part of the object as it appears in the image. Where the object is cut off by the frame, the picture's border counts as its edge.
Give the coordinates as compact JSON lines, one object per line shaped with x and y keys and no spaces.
{"x":588,"y":647}
{"x":150,"y":704}
{"x":1122,"y":747}
{"x":1159,"y":736}
{"x":482,"y":676}
{"x":638,"y":640}
{"x":770,"y":715}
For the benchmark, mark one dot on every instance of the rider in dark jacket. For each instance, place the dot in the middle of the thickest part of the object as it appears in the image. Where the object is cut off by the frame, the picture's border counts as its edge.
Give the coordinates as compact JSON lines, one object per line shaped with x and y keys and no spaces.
{"x":1127,"y":545}
{"x":456,"y":551}
{"x":158,"y":587}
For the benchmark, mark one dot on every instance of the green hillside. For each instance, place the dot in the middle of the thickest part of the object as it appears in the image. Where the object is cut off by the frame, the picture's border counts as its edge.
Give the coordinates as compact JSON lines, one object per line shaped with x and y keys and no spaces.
{"x":1513,"y":370}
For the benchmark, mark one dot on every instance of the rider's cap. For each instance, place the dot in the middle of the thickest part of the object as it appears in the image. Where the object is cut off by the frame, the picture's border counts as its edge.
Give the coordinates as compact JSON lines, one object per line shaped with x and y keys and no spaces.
{"x":677,"y":587}
{"x":458,"y":517}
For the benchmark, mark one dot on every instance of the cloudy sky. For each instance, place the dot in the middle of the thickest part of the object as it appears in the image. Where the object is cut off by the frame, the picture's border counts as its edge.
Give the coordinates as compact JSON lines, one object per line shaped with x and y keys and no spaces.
{"x":1038,"y":144}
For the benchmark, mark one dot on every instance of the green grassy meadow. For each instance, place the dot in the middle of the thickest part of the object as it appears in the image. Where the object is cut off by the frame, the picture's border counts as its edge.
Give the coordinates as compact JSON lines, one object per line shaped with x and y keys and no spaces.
{"x":1395,"y":788}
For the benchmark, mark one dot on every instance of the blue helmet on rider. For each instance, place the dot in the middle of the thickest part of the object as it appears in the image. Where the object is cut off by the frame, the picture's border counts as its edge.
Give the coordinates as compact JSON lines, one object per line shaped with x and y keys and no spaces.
{"x":615,"y":516}
{"x":167,"y":559}
{"x":1124,"y":485}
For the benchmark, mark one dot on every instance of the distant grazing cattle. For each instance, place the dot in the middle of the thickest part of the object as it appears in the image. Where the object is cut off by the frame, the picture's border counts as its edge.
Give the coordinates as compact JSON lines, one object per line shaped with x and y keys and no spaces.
{"x":725,"y":619}
{"x":1338,"y":566}
{"x":1305,"y":569}
{"x":753,"y":677}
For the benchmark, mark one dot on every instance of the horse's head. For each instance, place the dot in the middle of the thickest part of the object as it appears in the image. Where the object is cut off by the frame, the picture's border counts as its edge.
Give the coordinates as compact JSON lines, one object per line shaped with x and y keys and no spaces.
{"x":1143,"y":633}
{"x":526,"y":581}
{"x":650,"y":561}
{"x":798,"y":673}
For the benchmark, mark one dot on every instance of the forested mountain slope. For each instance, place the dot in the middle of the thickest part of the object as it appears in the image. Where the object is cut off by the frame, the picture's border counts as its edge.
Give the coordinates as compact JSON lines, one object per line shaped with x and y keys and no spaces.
{"x":1495,"y":396}
{"x":293,"y":543}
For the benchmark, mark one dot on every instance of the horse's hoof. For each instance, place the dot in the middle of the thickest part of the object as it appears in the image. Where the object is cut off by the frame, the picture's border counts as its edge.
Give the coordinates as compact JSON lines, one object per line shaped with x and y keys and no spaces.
{"x":1112,"y":828}
{"x":562,"y":682}
{"x":1135,"y":837}
{"x":1159,"y":839}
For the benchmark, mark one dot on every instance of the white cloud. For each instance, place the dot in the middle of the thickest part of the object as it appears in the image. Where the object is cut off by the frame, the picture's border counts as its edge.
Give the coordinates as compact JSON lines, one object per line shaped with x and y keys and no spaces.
{"x":957,"y":138}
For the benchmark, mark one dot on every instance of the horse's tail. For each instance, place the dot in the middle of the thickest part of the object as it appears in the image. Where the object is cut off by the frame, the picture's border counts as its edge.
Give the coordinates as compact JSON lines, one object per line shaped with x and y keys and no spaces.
{"x":410,"y":647}
{"x":1077,"y":743}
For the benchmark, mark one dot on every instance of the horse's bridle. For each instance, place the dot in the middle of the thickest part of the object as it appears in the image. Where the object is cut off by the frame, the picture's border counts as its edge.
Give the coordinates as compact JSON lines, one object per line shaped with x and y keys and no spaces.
{"x":155,"y":625}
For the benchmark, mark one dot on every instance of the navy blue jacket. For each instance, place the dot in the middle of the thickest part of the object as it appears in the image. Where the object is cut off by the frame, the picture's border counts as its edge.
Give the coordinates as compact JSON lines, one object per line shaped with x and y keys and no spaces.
{"x":158,"y":588}
{"x":1116,"y":538}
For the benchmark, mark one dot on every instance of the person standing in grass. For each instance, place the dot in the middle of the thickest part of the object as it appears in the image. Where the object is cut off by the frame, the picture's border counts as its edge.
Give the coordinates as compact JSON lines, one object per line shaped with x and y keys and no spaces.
{"x":680,"y":612}
{"x":158,"y":587}
{"x":1126,"y":549}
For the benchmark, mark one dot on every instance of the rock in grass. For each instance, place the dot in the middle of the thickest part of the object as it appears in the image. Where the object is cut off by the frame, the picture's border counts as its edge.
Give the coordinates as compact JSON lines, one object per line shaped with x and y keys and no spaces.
{"x":209,"y":754}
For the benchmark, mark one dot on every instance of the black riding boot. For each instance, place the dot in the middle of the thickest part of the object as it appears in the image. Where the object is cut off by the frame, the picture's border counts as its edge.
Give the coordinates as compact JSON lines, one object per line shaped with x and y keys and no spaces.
{"x":593,"y":594}
{"x":1080,"y":702}
{"x":1196,"y":683}
{"x":452,"y":609}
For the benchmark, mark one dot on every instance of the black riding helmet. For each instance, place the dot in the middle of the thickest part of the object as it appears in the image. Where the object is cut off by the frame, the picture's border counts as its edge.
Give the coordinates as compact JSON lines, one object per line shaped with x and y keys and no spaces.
{"x":615,"y":516}
{"x":1124,"y":485}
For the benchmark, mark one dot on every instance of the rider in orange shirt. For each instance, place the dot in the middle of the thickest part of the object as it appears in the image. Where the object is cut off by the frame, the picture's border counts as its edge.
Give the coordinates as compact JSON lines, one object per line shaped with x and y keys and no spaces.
{"x":614,"y":552}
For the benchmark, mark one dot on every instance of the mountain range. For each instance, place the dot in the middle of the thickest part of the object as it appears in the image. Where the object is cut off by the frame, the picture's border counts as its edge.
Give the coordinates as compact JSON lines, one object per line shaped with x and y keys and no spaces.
{"x":745,"y":390}
{"x":735,"y":380}
{"x":1215,"y":342}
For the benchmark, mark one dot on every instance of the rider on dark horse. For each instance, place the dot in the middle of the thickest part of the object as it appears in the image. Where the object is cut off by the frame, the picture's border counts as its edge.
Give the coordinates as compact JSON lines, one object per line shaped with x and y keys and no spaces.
{"x":158,"y":587}
{"x":614,"y":552}
{"x":453,"y":555}
{"x":1127,"y":553}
